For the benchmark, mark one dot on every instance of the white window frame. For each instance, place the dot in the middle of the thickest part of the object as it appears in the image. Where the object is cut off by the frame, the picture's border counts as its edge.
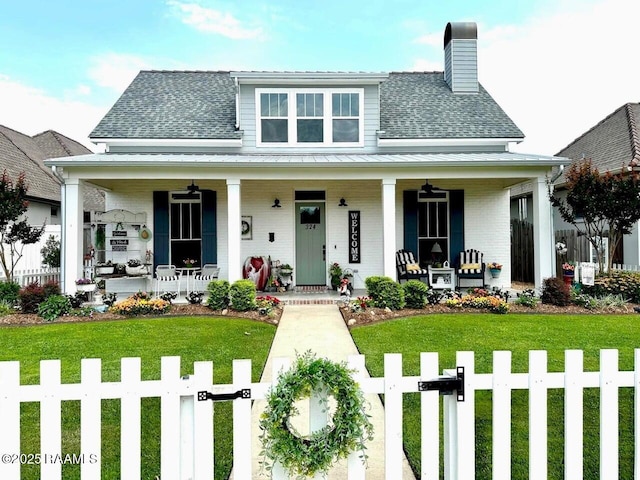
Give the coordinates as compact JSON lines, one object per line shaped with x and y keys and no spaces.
{"x":327,"y":117}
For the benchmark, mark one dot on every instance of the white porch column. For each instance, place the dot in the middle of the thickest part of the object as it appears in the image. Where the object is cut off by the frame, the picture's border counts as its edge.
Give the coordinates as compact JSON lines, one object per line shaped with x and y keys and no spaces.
{"x":72,"y":267}
{"x":234,"y":264}
{"x":389,"y":226}
{"x":543,"y":235}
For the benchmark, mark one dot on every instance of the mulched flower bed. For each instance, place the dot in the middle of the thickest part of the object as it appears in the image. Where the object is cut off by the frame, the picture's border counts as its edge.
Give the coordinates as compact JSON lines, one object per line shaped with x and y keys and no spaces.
{"x":376,"y":315}
{"x":177,"y":310}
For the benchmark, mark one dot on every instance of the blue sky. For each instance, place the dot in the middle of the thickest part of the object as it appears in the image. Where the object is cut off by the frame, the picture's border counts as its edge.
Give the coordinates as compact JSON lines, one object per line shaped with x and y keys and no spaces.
{"x":556,"y":67}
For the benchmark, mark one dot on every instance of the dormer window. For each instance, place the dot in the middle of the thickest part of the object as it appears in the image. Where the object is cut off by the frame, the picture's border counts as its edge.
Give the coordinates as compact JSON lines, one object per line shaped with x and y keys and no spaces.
{"x":307,"y":117}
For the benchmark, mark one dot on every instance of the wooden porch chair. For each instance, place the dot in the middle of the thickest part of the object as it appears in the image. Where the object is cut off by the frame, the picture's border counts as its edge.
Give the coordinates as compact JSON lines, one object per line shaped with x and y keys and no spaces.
{"x":408,"y":267}
{"x":470,"y":267}
{"x":167,"y":279}
{"x":202,"y":279}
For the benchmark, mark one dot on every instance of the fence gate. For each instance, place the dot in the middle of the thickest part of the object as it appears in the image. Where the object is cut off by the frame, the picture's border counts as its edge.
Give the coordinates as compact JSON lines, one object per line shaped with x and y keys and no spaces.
{"x":186,"y":417}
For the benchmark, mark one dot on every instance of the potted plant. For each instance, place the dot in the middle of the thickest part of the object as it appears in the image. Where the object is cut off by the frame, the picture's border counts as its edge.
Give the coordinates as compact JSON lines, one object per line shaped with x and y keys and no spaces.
{"x":286,"y":269}
{"x":335,"y":272}
{"x":189,"y":262}
{"x":568,"y":272}
{"x":104,"y":268}
{"x":135,"y":267}
{"x":85,"y":285}
{"x":495,"y":269}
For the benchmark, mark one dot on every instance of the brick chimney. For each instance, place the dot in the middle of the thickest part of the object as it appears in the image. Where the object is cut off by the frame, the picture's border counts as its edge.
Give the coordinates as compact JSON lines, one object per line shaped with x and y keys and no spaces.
{"x":461,"y":57}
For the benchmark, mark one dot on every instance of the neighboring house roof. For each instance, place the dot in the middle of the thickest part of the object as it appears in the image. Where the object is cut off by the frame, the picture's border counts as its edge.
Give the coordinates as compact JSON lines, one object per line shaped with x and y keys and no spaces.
{"x":22,"y":153}
{"x":421,"y":105}
{"x":611,"y":144}
{"x":202,"y":105}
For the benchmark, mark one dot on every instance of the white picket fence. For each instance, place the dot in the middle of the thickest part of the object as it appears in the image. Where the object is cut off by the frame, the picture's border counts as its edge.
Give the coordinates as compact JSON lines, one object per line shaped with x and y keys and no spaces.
{"x":186,"y":436}
{"x":38,"y":275}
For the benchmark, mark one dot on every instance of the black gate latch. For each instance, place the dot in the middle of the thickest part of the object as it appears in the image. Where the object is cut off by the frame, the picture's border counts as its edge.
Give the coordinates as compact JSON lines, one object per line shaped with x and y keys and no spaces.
{"x":446,"y":385}
{"x":204,"y":395}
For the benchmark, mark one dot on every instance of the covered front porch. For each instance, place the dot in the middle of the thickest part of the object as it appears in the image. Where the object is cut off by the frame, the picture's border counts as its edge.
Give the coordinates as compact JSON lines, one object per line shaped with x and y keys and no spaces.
{"x":309,"y":212}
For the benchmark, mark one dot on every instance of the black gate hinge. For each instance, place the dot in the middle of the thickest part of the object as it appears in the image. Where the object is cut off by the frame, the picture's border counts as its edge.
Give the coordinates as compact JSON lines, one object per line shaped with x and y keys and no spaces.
{"x":446,"y":385}
{"x":218,"y":397}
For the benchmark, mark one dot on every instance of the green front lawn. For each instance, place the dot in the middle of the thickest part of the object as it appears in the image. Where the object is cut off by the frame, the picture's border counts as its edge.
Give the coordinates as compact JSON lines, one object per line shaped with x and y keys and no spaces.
{"x":219,"y":340}
{"x":484,"y":333}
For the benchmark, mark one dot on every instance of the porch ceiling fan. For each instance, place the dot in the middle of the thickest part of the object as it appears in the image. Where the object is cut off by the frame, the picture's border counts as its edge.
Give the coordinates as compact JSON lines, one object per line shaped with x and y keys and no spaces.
{"x":193,"y":188}
{"x":429,"y":188}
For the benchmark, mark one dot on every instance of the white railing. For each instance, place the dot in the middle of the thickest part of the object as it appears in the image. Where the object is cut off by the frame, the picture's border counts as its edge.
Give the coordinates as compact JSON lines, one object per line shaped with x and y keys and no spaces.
{"x":38,"y":275}
{"x":625,"y":268}
{"x":186,"y":431}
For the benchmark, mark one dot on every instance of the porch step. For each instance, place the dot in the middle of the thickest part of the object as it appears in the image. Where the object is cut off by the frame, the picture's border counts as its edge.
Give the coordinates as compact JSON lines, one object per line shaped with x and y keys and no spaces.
{"x":311,"y":289}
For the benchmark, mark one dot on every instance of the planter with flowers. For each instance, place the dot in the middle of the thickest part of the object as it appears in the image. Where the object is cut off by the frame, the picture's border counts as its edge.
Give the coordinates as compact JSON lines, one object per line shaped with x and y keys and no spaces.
{"x":85,"y":285}
{"x":189,"y":262}
{"x":105,"y":268}
{"x":494,"y":269}
{"x":568,"y":272}
{"x":135,"y":267}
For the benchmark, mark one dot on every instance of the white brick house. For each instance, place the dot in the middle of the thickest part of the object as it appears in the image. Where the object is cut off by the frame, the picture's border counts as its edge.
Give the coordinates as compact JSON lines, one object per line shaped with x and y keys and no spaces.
{"x":327,"y":146}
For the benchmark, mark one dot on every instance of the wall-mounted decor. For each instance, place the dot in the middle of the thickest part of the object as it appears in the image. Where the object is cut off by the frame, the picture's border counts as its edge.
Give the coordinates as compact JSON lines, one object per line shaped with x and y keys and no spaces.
{"x":354,"y":236}
{"x":246,"y":228}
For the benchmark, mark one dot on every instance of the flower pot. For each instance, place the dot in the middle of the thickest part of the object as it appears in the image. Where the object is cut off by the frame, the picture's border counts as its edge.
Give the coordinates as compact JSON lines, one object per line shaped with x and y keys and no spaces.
{"x":495,"y":272}
{"x":567,"y":276}
{"x":140,"y":270}
{"x":86,"y":287}
{"x":104,"y":270}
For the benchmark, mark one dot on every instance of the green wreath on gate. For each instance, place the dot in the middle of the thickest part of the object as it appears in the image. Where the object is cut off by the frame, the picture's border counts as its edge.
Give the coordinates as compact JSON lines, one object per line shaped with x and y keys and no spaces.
{"x":350,"y":428}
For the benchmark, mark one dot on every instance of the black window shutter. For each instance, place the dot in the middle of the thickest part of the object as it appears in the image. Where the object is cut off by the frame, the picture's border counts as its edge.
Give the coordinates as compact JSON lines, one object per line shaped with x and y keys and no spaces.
{"x":456,"y":212}
{"x":209,"y":230}
{"x":161,"y":227}
{"x":410,"y":208}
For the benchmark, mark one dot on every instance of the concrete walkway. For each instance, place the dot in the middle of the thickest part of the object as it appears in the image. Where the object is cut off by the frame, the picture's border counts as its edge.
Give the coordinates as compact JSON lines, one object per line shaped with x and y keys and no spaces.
{"x":321,"y":329}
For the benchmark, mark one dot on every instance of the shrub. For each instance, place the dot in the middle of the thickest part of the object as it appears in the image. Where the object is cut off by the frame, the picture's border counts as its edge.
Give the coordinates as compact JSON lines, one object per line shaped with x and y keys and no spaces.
{"x":555,"y":292}
{"x":616,"y":282}
{"x":76,"y":300}
{"x":242,"y":295}
{"x":386,"y":293}
{"x":51,"y":288}
{"x":82,"y":312}
{"x":169,"y":296}
{"x":5,"y":308}
{"x":140,"y":304}
{"x":30,"y":297}
{"x":415,"y":293}
{"x":527,"y":298}
{"x":218,"y":294}
{"x":9,"y":292}
{"x":109,"y":299}
{"x":53,"y":307}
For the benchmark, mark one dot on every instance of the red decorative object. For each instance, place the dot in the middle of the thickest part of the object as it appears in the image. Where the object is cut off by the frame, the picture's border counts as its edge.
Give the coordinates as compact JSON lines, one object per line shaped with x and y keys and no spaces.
{"x":568,"y":279}
{"x":258,"y":270}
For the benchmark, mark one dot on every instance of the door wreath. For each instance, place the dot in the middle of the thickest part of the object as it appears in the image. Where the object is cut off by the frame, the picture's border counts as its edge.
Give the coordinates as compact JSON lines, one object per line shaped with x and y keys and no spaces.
{"x":348,"y":431}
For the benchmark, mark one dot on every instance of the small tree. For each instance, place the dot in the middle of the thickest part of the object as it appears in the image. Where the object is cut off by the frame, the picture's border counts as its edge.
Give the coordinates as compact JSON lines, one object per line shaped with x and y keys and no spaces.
{"x":600,"y":205}
{"x":15,"y":233}
{"x":51,"y":252}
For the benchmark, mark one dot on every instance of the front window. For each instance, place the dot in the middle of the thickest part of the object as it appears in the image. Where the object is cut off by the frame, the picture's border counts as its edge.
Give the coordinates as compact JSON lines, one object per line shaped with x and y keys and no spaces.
{"x":186,"y":227}
{"x":309,"y":117}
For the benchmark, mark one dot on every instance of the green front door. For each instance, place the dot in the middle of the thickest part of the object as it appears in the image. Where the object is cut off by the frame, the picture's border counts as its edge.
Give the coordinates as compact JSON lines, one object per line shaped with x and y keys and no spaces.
{"x":310,"y":244}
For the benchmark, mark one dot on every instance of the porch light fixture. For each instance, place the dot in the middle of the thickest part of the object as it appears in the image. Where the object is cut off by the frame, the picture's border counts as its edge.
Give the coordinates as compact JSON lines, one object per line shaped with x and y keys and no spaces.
{"x":276,"y":204}
{"x":343,"y":203}
{"x":436,"y":248}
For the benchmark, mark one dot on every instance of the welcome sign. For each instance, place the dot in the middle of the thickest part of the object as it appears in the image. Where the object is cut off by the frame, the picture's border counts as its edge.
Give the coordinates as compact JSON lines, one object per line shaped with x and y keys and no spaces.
{"x":354,"y":236}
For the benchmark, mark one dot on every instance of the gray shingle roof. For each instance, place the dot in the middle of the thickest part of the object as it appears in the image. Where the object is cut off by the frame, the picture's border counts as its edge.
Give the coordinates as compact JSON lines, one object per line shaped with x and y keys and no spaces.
{"x":167,"y":104}
{"x":611,"y":144}
{"x":421,"y":105}
{"x":201,"y":105}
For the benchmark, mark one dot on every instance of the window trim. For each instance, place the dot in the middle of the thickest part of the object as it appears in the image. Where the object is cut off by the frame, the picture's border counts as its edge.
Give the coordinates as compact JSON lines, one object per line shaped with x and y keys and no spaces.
{"x":327,"y":117}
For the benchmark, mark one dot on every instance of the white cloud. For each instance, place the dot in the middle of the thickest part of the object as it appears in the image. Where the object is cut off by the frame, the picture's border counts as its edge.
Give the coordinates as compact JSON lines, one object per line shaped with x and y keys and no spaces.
{"x":557,"y":76}
{"x":30,"y":110}
{"x":213,"y":21}
{"x":424,"y":65}
{"x":116,"y":70}
{"x":431,"y":39}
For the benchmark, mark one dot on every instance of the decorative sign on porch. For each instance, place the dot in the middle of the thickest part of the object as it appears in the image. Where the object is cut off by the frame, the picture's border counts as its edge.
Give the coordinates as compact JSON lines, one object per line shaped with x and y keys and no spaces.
{"x":119,"y":244}
{"x":354,"y":236}
{"x":119,"y":233}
